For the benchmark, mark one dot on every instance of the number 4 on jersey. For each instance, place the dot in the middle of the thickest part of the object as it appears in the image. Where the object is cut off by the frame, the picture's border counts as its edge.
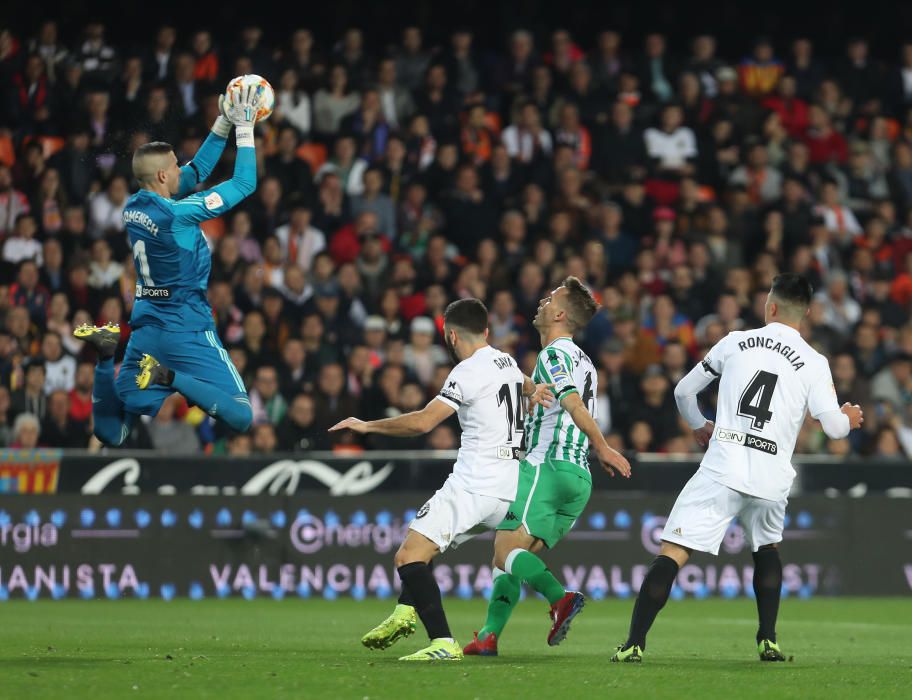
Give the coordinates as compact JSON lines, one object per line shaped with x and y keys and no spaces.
{"x":756,"y":399}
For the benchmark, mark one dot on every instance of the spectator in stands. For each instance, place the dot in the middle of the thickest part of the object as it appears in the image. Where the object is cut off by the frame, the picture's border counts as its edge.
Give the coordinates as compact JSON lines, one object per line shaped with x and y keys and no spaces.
{"x":58,"y":428}
{"x":298,"y":431}
{"x":760,"y":72}
{"x":158,"y":61}
{"x":762,"y":182}
{"x":31,"y":397}
{"x":656,"y":73}
{"x":26,"y":431}
{"x":23,"y":244}
{"x":672,"y":146}
{"x":292,"y":104}
{"x":374,"y":200}
{"x":13,"y":203}
{"x":97,"y":57}
{"x":332,"y":402}
{"x":412,"y":59}
{"x":893,"y":384}
{"x":333,"y":103}
{"x":300,"y":241}
{"x":527,"y":140}
{"x":266,"y":400}
{"x":60,"y":368}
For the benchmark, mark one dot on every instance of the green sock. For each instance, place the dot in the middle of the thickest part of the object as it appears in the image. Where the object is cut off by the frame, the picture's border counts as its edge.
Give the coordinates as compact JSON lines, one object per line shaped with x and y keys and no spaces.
{"x":533,"y":571}
{"x":504,"y":597}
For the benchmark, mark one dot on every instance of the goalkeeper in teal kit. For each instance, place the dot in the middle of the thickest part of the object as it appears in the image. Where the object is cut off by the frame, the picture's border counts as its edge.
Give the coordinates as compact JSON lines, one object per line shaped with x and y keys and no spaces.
{"x":173,"y":345}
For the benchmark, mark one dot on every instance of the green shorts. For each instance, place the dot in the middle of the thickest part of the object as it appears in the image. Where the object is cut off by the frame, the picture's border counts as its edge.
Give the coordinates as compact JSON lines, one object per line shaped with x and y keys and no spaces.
{"x":549,"y":499}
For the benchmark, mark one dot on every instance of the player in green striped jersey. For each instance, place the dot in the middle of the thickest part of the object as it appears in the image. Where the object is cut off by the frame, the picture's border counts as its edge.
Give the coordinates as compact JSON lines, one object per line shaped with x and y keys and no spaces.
{"x":554,"y":479}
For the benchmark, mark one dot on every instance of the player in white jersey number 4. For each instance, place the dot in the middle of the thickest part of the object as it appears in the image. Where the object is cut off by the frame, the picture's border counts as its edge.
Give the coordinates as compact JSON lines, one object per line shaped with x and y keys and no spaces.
{"x":486,"y":389}
{"x":769,"y":380}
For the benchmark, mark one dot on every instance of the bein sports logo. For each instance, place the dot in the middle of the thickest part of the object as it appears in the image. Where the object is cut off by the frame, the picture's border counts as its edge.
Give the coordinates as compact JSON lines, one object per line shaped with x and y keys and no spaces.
{"x":309,"y":534}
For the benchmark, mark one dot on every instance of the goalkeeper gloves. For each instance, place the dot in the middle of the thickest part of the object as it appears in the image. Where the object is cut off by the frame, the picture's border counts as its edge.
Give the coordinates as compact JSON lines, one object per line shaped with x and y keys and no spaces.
{"x":241,"y":109}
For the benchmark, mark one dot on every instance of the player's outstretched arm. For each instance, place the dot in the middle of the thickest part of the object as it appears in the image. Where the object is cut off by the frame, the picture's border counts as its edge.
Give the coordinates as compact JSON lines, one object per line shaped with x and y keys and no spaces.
{"x":212,"y":203}
{"x":405,"y":425}
{"x":203,"y":163}
{"x":610,"y":458}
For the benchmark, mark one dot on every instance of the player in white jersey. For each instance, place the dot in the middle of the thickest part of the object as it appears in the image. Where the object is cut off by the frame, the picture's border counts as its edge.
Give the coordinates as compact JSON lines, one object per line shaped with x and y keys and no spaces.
{"x":770,"y":378}
{"x":486,"y":390}
{"x":554,"y":479}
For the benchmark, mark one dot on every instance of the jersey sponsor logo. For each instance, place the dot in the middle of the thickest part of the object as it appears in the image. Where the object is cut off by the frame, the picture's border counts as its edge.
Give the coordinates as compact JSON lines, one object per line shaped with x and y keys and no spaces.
{"x":140,"y":218}
{"x":145,"y":292}
{"x":754,"y":442}
{"x":735,"y":436}
{"x":762,"y":444}
{"x":764,"y":343}
{"x":507,"y":452}
{"x":451,"y":396}
{"x":423,"y":511}
{"x":510,"y":516}
{"x":451,"y":392}
{"x":558,"y":373}
{"x":213,"y":201}
{"x":677,"y":531}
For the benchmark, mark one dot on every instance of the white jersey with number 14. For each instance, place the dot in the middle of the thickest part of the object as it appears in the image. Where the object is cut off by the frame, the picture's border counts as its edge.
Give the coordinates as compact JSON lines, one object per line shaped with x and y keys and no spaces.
{"x":486,"y":392}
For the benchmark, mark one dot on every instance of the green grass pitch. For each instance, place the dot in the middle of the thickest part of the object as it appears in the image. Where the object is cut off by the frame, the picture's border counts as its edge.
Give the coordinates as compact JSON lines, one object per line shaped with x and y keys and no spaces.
{"x":310,"y":649}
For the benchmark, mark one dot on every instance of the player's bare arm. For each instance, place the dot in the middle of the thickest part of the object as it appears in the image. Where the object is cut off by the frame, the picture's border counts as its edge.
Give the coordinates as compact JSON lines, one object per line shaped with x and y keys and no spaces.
{"x":406,"y":425}
{"x":610,"y":458}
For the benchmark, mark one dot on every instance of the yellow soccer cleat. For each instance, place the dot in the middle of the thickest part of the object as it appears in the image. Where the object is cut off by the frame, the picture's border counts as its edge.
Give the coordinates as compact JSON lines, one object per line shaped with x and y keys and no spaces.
{"x":148,"y":371}
{"x":399,"y":625}
{"x":769,"y":651}
{"x":631,"y":655}
{"x":439,"y":650}
{"x":104,"y":338}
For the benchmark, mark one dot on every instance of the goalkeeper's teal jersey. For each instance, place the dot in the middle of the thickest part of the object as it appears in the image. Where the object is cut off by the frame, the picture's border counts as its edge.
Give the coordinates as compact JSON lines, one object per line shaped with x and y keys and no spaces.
{"x":170,"y":252}
{"x":550,"y":432}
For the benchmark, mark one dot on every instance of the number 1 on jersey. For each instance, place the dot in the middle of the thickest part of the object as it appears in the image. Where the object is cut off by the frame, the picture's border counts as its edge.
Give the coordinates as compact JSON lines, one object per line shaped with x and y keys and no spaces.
{"x":756,"y":399}
{"x":514,"y":410}
{"x":139,"y":252}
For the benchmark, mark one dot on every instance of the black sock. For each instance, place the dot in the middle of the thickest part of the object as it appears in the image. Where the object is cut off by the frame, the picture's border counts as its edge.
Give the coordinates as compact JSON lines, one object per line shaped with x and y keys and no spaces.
{"x":405,"y":595}
{"x":653,"y":596}
{"x":167,"y":377}
{"x":767,"y":589}
{"x":418,"y":578}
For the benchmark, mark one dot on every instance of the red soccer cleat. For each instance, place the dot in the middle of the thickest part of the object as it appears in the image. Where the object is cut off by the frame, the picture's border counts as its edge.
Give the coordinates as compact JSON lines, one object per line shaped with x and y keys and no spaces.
{"x":481,"y":647}
{"x":562,"y":614}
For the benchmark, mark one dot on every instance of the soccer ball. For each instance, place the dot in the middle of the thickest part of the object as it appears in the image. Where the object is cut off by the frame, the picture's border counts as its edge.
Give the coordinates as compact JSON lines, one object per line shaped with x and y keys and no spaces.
{"x":265,"y":95}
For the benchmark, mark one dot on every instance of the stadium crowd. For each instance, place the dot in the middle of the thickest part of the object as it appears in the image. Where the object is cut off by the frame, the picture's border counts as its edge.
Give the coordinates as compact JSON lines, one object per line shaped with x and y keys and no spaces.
{"x":394,"y":181}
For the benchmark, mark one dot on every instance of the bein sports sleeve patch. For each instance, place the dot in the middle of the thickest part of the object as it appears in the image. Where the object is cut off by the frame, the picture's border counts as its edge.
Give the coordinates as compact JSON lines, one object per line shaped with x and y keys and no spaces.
{"x":214,"y":201}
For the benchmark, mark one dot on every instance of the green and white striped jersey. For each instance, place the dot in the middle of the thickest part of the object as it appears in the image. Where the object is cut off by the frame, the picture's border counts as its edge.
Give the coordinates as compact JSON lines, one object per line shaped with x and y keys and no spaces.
{"x":550,"y":432}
